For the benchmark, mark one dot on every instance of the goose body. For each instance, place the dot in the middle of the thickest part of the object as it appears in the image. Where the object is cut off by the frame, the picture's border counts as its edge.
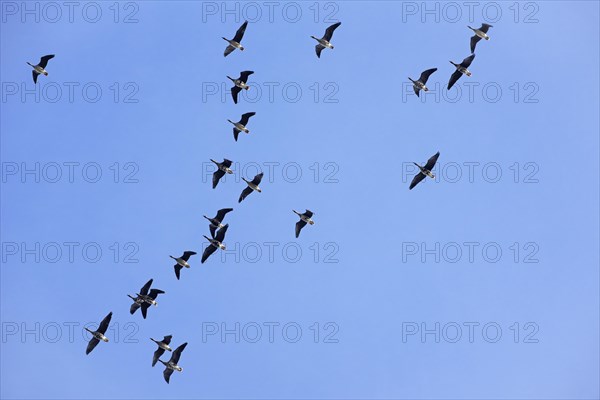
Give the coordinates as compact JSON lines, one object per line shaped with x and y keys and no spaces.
{"x":98,"y":335}
{"x":420,"y":84}
{"x":240,"y":126}
{"x":235,"y":43}
{"x":480,"y":33}
{"x":305,"y":218}
{"x":215,"y":243}
{"x":324,"y":42}
{"x":461,"y":69}
{"x":163,"y":346}
{"x":252,"y":186}
{"x":425,"y":170}
{"x":171,"y":365}
{"x":239,"y":84}
{"x":40,"y":68}
{"x":182,"y":262}
{"x":217,"y":221}
{"x":222,"y":169}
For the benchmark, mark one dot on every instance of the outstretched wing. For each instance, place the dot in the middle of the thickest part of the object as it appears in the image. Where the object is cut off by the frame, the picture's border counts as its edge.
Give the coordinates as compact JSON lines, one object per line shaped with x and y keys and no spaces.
{"x":35,"y":75}
{"x":484,"y":27}
{"x":218,"y":174}
{"x":417,"y":90}
{"x":228,"y":50}
{"x":177,"y":353}
{"x":187,"y":254}
{"x":167,"y":339}
{"x":474,"y":40}
{"x":467,"y":61}
{"x":432,"y":160}
{"x":146,"y":287}
{"x":418,"y":178}
{"x":329,"y":31}
{"x":145,"y":307}
{"x":91,"y":345}
{"x":212,"y":230}
{"x":244,"y":75}
{"x":234,"y":93}
{"x":167,"y":374}
{"x":319,"y":49}
{"x":453,"y":78}
{"x":207,"y":252}
{"x":155,"y":292}
{"x":104,"y":324}
{"x":299,"y":225}
{"x":426,"y":74}
{"x":308,"y":213}
{"x":221,"y":233}
{"x":246,"y":117}
{"x":222,"y":212}
{"x":245,"y":194}
{"x":226,"y":163}
{"x":157,"y":355}
{"x":134,"y":307}
{"x":240,"y":32}
{"x":258,"y":178}
{"x":44,"y":60}
{"x":177,"y":270}
{"x":236,"y":132}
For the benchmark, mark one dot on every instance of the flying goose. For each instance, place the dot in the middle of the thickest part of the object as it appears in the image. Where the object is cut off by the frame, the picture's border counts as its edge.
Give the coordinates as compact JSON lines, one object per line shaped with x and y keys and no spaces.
{"x":419,"y":84}
{"x":222,"y":168}
{"x":239,"y":84}
{"x":217,"y":221}
{"x":460,"y":70}
{"x":216,"y":243}
{"x":98,"y":334}
{"x":235,"y":43}
{"x":162,"y":346}
{"x":252,"y":186}
{"x":304,"y":219}
{"x":171,"y":365}
{"x":182,"y":262}
{"x":241,"y":125}
{"x":41,"y":67}
{"x":425,"y":171}
{"x":480,"y":33}
{"x":144,"y":299}
{"x":324,"y":41}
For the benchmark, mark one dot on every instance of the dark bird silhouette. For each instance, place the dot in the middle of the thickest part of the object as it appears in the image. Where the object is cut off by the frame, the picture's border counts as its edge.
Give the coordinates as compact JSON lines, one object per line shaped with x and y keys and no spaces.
{"x":40,"y":68}
{"x":304,"y":219}
{"x":419,"y":84}
{"x":252,"y":186}
{"x":162,"y":346}
{"x":222,"y":169}
{"x":144,"y":299}
{"x":182,"y":262}
{"x":239,"y":84}
{"x":171,"y":365}
{"x":236,"y":42}
{"x":215,"y":243}
{"x":217,"y":221}
{"x":98,"y":334}
{"x":461,"y":69}
{"x":325,"y":40}
{"x":241,"y":125}
{"x":425,"y":171}
{"x":480,"y":33}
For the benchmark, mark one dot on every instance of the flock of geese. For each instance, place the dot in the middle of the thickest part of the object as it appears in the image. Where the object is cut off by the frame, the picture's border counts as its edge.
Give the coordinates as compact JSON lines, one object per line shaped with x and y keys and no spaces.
{"x":147,"y":296}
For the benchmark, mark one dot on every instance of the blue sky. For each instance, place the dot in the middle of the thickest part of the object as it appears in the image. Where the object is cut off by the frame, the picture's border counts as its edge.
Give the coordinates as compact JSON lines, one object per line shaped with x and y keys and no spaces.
{"x":375,"y":277}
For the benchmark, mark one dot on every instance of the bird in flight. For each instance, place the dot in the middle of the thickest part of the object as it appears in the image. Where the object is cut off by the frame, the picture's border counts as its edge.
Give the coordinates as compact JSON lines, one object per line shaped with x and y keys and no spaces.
{"x":235,"y":43}
{"x":40,"y":68}
{"x":215,"y":243}
{"x":325,"y":40}
{"x":424,"y":171}
{"x":241,"y":125}
{"x":239,"y":84}
{"x":144,"y":299}
{"x":461,"y":69}
{"x":222,"y":169}
{"x":305,"y":218}
{"x":171,"y":365}
{"x":480,"y":33}
{"x":252,"y":186}
{"x":217,"y":221}
{"x":182,"y":262}
{"x":98,"y":334}
{"x":162,"y":346}
{"x":419,"y":84}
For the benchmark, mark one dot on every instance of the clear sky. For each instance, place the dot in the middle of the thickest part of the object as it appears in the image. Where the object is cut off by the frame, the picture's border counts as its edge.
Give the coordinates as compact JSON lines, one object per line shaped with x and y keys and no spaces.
{"x":481,"y":284}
